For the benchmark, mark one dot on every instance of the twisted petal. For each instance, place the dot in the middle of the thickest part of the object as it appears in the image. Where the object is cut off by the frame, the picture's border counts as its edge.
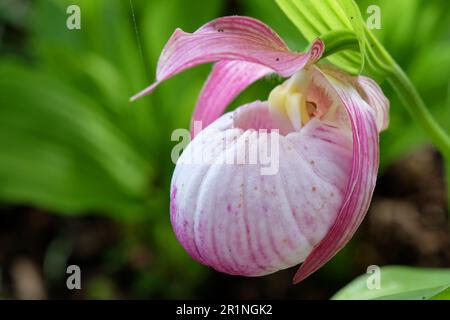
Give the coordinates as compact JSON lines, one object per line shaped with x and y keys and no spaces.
{"x":230,"y":38}
{"x":363,"y":173}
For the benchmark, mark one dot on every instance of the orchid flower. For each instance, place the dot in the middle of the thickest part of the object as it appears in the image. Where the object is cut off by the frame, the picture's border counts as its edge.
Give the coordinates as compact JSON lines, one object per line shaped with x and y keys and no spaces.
{"x":231,"y":217}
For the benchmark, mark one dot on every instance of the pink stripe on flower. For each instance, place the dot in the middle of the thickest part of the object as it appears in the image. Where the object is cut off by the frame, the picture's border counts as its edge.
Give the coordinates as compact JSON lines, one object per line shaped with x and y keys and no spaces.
{"x":362,"y":177}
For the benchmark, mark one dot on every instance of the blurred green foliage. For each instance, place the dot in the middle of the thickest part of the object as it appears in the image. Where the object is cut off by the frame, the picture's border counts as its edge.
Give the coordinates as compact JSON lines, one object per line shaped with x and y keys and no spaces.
{"x":399,"y":283}
{"x":72,"y":143}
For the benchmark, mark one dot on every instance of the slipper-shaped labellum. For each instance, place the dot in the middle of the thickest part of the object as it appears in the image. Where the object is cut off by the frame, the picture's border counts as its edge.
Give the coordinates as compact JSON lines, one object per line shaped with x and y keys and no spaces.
{"x":321,"y":128}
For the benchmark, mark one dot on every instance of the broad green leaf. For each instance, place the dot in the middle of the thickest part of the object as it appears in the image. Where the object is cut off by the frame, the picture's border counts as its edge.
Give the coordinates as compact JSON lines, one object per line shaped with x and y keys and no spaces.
{"x":443,"y":295}
{"x":398,"y":282}
{"x":437,"y":293}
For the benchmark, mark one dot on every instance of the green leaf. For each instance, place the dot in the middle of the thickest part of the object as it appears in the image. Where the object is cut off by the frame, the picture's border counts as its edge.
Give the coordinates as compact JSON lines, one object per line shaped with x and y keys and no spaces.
{"x":443,"y":295}
{"x":399,"y":282}
{"x":436,"y":293}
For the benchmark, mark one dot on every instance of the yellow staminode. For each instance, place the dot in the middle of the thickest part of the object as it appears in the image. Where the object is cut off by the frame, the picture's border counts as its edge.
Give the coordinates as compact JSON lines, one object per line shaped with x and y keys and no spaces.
{"x":289,"y":100}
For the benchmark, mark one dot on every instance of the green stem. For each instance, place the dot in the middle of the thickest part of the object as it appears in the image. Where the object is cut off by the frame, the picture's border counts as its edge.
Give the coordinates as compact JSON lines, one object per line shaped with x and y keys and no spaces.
{"x":418,"y":111}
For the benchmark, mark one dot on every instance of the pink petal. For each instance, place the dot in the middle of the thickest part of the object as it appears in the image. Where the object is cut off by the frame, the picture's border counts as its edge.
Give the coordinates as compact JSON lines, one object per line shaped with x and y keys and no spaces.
{"x":230,"y":38}
{"x":376,"y":99}
{"x":227,"y":79}
{"x":362,"y":177}
{"x":238,"y":221}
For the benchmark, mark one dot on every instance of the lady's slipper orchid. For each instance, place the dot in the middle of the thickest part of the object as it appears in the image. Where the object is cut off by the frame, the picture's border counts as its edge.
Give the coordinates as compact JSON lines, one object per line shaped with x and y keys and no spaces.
{"x":238,"y":221}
